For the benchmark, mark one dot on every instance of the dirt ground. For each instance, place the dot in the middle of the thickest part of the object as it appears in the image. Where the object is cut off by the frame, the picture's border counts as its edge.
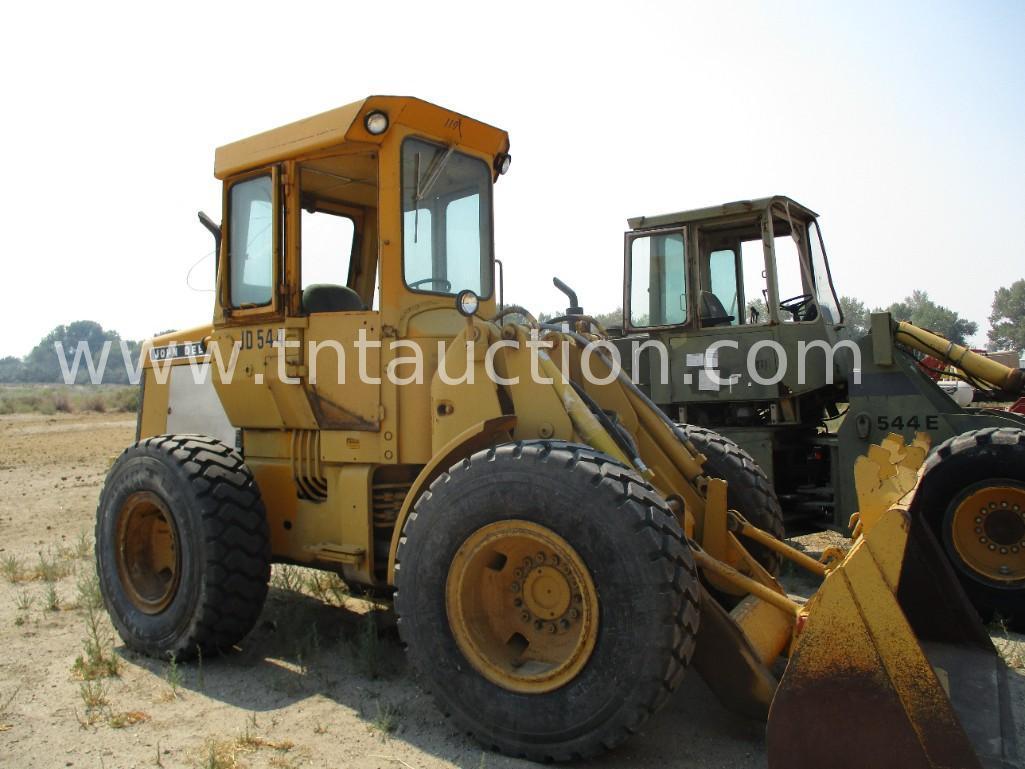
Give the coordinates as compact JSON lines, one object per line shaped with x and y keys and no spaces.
{"x":313,"y":685}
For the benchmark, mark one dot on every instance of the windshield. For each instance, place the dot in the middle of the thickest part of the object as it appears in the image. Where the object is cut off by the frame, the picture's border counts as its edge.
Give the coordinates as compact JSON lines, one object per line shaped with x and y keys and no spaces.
{"x":823,"y":281}
{"x":446,"y":220}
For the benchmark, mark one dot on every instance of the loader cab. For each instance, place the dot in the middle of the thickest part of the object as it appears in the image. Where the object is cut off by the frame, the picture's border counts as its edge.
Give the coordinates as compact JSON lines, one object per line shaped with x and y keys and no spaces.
{"x":344,"y":232}
{"x":720,"y":288}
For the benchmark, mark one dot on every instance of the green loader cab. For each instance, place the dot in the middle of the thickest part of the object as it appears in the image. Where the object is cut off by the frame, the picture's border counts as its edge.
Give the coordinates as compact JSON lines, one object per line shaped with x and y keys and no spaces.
{"x":732,"y":323}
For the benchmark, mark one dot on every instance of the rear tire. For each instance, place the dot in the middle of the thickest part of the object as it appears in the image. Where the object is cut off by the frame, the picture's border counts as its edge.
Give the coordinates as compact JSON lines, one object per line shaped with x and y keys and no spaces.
{"x":182,"y":546}
{"x":630,"y":550}
{"x":750,"y":492}
{"x":975,"y":471}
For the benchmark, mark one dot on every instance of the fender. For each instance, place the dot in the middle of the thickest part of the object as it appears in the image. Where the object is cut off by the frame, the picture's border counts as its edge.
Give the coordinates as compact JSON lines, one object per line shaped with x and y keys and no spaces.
{"x":470,"y":441}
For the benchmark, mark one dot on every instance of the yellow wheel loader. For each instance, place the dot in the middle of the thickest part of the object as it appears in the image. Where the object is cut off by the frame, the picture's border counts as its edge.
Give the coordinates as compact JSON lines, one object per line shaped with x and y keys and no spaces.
{"x":557,"y":552}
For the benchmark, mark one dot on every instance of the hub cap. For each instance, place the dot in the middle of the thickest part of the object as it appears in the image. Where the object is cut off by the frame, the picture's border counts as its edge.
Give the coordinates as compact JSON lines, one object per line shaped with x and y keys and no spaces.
{"x":988,"y":532}
{"x":148,"y":557}
{"x":522,"y":606}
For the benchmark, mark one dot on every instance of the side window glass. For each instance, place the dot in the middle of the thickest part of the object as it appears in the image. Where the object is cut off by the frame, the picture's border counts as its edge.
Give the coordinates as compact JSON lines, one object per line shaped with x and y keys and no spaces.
{"x":788,"y":272}
{"x":756,"y":292}
{"x":658,"y":280}
{"x":251,"y":242}
{"x":722,"y":308}
{"x":416,"y":247}
{"x":462,"y":238}
{"x":326,"y":248}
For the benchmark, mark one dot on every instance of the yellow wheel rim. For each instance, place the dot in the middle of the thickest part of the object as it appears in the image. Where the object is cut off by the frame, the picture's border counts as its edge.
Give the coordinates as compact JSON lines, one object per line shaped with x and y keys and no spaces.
{"x":522,"y":606}
{"x":148,"y":557}
{"x":988,"y":532}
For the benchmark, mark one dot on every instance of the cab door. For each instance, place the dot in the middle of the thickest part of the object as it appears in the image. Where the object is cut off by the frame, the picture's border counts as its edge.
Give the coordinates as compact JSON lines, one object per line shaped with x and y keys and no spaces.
{"x":341,"y":375}
{"x":250,"y":317}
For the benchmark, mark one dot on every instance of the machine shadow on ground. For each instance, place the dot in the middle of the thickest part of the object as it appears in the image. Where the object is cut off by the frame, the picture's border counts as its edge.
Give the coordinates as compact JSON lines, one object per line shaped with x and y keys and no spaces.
{"x":304,"y":649}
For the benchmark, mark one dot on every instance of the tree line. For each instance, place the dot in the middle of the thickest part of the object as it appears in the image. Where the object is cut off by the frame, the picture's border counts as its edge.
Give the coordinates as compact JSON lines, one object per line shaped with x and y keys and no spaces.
{"x":43,"y":365}
{"x":1006,"y":318}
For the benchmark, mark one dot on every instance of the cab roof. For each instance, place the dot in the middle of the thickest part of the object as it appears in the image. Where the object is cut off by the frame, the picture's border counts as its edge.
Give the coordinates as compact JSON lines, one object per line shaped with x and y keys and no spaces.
{"x":726,"y":210}
{"x":344,"y":125}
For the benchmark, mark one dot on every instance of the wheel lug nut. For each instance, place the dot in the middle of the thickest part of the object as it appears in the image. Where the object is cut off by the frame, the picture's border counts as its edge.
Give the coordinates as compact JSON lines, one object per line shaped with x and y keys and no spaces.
{"x":551,"y":627}
{"x":578,"y":598}
{"x":555,"y":560}
{"x":518,"y":602}
{"x":565,"y":624}
{"x":515,"y":587}
{"x":574,"y":613}
{"x":993,"y":547}
{"x":525,"y":616}
{"x":538,"y":624}
{"x":541,"y":557}
{"x":518,"y":573}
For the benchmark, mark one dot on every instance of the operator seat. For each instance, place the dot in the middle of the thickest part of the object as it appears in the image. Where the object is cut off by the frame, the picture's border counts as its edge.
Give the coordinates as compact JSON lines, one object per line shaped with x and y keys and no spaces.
{"x":327,"y":297}
{"x":712,"y":311}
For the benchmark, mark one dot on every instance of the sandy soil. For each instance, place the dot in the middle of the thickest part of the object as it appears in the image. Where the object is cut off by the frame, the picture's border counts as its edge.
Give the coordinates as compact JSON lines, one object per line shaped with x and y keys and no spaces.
{"x":307,"y":688}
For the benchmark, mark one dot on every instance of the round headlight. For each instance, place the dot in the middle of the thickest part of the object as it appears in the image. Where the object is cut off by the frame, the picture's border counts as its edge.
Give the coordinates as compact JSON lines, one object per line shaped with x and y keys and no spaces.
{"x":376,"y":123}
{"x":467,"y":303}
{"x":502,"y":162}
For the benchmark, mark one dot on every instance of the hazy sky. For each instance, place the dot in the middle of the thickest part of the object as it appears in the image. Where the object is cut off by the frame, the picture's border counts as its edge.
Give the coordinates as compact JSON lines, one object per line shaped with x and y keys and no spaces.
{"x":902,"y":126}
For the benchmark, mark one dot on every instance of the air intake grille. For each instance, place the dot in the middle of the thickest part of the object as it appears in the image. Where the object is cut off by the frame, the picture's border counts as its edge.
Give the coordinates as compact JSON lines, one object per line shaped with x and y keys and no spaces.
{"x":306,"y":467}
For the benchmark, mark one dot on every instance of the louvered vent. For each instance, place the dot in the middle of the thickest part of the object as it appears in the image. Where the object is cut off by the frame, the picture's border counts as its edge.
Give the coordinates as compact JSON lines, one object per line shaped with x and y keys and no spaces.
{"x":306,"y":468}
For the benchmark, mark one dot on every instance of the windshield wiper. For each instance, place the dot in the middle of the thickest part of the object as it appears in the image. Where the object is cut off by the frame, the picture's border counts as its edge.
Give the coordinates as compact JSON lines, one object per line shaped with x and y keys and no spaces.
{"x":432,"y":173}
{"x":422,"y":189}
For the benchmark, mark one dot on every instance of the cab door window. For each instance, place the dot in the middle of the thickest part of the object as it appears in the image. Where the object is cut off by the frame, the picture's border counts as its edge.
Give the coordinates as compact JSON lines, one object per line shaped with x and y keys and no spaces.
{"x":658,"y":280}
{"x":722,"y":307}
{"x":251,"y":242}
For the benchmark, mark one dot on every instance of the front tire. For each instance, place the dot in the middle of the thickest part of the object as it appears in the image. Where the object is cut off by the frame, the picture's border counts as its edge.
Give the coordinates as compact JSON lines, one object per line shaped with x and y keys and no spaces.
{"x":973,"y":495}
{"x":568,"y":655}
{"x":182,"y":546}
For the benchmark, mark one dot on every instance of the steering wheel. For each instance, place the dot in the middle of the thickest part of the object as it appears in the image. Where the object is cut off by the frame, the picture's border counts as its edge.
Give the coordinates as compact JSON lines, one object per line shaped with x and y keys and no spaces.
{"x":446,"y":285}
{"x":795,"y":304}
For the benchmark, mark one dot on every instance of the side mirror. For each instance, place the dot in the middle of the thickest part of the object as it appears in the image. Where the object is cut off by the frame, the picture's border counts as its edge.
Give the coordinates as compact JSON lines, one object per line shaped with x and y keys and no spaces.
{"x":215,"y":230}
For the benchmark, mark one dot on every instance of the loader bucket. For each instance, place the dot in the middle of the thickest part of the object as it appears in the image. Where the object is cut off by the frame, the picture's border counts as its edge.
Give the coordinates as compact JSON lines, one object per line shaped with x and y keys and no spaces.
{"x":890,"y":665}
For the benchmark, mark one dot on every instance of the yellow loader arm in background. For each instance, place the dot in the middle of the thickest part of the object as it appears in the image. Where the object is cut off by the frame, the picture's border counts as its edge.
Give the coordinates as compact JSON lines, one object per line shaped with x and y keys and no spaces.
{"x":1007,"y":380}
